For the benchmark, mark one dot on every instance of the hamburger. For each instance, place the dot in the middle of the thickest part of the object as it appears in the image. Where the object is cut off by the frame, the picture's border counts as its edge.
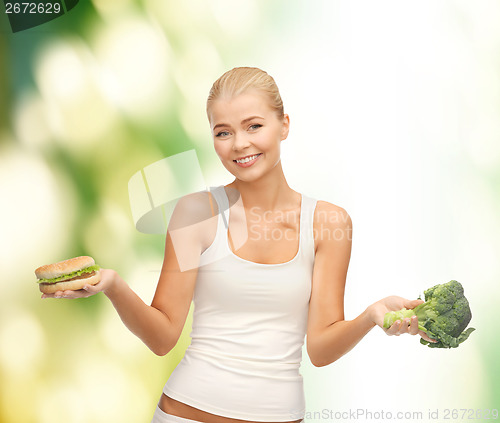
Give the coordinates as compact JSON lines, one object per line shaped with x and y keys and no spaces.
{"x":72,"y":274}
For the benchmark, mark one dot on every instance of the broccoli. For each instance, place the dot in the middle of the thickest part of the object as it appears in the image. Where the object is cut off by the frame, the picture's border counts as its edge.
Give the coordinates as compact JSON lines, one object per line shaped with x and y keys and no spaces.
{"x":443,"y":316}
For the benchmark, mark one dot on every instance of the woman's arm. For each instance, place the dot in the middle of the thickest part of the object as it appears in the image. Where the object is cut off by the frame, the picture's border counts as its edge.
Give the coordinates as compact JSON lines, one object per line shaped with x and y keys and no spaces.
{"x":160,"y":324}
{"x":149,"y":323}
{"x":333,"y":227}
{"x":329,"y":336}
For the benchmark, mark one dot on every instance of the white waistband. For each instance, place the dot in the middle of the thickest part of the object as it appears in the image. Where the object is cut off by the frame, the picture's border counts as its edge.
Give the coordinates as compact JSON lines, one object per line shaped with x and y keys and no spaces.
{"x":161,"y":417}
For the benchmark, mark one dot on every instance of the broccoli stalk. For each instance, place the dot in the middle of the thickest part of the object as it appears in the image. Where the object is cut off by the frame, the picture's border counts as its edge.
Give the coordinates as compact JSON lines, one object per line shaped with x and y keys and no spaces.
{"x":443,"y":316}
{"x":422,"y":312}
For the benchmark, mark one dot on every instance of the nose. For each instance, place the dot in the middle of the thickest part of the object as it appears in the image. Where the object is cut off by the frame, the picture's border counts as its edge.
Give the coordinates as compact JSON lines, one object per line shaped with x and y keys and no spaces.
{"x":240,"y":141}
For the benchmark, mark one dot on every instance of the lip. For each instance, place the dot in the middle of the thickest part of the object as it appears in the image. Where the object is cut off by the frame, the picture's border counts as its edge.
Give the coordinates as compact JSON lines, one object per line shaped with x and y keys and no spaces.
{"x":250,"y":163}
{"x":244,"y":157}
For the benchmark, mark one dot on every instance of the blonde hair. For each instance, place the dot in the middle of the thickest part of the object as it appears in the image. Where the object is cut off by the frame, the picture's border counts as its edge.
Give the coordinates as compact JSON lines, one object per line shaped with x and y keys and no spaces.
{"x":238,"y":80}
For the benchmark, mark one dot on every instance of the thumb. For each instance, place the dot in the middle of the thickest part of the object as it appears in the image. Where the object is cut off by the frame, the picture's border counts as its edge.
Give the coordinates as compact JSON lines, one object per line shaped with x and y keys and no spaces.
{"x":413,"y":303}
{"x":91,"y":289}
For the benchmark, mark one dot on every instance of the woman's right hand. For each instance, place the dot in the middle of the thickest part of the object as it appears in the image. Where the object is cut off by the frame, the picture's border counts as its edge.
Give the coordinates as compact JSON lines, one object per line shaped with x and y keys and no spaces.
{"x":108,"y":280}
{"x":378,"y":310}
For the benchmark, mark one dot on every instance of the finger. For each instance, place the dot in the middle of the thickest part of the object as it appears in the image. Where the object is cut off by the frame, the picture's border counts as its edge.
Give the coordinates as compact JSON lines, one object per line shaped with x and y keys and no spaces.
{"x":58,"y":294}
{"x":64,"y":294}
{"x":405,"y":326}
{"x":71,"y":294}
{"x":409,"y":304}
{"x":413,"y":326}
{"x":78,"y":293}
{"x":426,"y":337}
{"x":53,"y":295}
{"x":93,"y":289}
{"x":394,"y":329}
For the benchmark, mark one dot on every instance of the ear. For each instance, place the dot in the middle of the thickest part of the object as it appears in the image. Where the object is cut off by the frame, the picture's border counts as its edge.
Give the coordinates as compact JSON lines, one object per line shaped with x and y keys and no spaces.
{"x":286,"y":127}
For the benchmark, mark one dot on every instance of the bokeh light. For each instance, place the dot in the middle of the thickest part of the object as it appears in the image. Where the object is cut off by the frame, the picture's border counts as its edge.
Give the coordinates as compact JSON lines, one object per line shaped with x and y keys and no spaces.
{"x":33,"y":202}
{"x":134,"y":55}
{"x":23,"y":342}
{"x":31,"y":126}
{"x":77,"y":111}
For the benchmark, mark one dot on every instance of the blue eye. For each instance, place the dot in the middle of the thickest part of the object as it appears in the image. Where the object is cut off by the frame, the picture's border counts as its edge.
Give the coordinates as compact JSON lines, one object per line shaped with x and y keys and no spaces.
{"x":222,"y":133}
{"x":256,"y":126}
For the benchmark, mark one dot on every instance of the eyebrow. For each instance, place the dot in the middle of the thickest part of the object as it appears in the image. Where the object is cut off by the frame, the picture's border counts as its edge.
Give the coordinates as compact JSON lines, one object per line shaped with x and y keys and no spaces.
{"x":243,"y":121}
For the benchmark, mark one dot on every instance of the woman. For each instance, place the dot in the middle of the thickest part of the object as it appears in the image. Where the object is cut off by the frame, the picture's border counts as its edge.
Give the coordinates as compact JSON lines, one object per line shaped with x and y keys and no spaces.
{"x":269,"y":268}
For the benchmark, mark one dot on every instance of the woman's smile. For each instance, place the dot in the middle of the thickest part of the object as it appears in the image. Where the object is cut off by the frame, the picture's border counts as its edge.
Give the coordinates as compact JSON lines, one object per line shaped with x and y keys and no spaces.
{"x":247,"y":161}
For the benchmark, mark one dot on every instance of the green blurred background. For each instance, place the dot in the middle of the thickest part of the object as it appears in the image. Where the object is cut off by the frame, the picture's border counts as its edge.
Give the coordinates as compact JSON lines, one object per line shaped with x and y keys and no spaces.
{"x":395,"y":113}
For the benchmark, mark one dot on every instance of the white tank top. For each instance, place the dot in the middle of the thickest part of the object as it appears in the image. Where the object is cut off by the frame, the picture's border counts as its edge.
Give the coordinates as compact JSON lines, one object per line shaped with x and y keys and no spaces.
{"x":249,"y":324}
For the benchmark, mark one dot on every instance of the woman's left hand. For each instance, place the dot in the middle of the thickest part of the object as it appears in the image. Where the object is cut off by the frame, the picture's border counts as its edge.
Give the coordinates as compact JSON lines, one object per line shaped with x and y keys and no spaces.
{"x":393,"y":303}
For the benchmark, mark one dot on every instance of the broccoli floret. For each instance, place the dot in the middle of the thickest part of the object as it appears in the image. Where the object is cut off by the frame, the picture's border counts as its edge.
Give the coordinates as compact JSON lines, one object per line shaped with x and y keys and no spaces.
{"x":443,"y":316}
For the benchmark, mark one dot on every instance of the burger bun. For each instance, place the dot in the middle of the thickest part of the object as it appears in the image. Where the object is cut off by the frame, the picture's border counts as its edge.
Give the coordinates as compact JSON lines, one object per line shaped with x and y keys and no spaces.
{"x":73,"y":285}
{"x":64,"y":267}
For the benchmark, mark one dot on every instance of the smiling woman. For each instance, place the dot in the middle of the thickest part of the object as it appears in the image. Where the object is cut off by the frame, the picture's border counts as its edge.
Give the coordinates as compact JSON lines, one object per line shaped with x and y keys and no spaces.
{"x":253,"y":304}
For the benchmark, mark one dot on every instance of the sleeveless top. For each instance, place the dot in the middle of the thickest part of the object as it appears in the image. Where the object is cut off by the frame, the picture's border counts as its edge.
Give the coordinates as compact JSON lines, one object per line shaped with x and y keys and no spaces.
{"x":249,"y":324}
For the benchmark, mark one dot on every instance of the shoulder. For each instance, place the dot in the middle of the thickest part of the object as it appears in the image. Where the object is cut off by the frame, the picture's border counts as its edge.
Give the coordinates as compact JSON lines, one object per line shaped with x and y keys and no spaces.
{"x":331,"y":215}
{"x":332,"y":224}
{"x":193,"y":208}
{"x":194,"y":219}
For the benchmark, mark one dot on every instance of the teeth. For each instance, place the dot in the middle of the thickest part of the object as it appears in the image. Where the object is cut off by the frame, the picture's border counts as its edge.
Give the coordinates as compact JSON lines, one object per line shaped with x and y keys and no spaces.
{"x":246,"y":160}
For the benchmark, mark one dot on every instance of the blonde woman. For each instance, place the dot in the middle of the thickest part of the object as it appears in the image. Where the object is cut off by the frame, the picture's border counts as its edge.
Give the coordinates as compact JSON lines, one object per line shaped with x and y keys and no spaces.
{"x":265,"y":265}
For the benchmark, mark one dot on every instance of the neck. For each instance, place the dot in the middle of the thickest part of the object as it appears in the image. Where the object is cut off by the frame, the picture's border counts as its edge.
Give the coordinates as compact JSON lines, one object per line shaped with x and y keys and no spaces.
{"x":268,"y":193}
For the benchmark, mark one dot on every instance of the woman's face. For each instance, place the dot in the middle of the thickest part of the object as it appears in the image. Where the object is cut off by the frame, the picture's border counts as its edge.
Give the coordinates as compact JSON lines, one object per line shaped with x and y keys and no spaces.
{"x":247,"y":134}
